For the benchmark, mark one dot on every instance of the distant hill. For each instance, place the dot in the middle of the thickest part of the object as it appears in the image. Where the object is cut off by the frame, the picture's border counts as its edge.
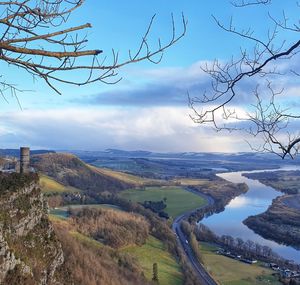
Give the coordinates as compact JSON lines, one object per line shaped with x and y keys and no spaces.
{"x":254,"y":157}
{"x":16,"y":152}
{"x":71,"y":171}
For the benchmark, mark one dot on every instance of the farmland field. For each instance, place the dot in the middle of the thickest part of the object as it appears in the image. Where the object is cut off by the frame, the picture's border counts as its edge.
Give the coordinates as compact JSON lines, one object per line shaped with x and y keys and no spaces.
{"x":178,"y":200}
{"x":228,"y":271}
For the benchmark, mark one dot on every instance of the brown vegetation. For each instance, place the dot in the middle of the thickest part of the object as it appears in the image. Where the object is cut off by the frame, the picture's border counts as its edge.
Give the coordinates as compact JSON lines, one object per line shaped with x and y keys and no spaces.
{"x":280,"y":222}
{"x":113,"y":228}
{"x":285,"y":181}
{"x":71,"y":171}
{"x":221,"y":190}
{"x":90,"y":265}
{"x":54,"y":201}
{"x":159,"y":228}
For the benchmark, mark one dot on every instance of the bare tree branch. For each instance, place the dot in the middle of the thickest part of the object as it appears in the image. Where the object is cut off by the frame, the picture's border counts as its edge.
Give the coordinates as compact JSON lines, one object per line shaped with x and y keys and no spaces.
{"x":267,"y":119}
{"x":31,"y":41}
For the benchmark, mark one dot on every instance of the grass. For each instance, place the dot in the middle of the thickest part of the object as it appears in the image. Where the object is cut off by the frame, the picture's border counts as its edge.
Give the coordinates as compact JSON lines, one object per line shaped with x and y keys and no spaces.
{"x":178,"y":201}
{"x":125,"y":177}
{"x":228,"y":271}
{"x":169,"y":272}
{"x":191,"y":182}
{"x":50,"y":186}
{"x":80,"y":237}
{"x":86,"y":240}
{"x":62,"y":212}
{"x":153,"y":251}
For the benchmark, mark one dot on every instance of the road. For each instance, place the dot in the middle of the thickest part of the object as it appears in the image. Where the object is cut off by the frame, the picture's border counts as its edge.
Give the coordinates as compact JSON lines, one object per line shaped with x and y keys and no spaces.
{"x":204,"y":277}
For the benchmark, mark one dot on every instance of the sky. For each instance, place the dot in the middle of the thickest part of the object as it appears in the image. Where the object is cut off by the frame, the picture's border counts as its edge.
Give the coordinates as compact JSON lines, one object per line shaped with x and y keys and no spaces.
{"x":148,"y":109}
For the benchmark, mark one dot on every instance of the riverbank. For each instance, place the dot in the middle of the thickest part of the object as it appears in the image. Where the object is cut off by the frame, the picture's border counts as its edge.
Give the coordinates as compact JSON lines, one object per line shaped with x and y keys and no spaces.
{"x":255,"y":201}
{"x":280,"y":222}
{"x":220,"y":193}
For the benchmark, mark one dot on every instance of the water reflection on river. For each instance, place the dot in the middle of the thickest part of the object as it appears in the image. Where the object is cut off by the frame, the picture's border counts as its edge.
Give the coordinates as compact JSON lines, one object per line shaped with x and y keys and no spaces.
{"x":258,"y":198}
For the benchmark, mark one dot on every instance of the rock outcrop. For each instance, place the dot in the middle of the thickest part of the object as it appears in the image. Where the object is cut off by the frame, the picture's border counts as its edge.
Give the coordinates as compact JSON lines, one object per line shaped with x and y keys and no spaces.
{"x":29,"y":250}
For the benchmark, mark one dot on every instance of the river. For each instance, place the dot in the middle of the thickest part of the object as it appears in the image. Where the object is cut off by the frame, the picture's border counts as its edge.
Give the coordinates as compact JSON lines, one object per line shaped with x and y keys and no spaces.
{"x":258,"y":198}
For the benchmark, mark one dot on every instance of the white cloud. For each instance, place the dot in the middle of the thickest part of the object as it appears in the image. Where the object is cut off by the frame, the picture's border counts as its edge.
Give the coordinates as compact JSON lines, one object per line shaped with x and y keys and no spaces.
{"x":156,"y":128}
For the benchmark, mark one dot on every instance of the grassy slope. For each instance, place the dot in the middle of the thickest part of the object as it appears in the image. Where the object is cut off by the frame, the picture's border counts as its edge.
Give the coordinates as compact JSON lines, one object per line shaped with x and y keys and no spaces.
{"x":62,"y":212}
{"x":191,"y":181}
{"x":69,"y":170}
{"x":125,"y":177}
{"x":169,"y":271}
{"x":140,"y":181}
{"x":178,"y":200}
{"x":228,"y":271}
{"x":50,"y":186}
{"x":153,"y":251}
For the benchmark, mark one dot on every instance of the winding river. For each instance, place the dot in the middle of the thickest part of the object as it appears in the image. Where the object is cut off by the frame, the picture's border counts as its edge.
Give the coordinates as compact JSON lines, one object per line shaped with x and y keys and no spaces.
{"x":258,"y":198}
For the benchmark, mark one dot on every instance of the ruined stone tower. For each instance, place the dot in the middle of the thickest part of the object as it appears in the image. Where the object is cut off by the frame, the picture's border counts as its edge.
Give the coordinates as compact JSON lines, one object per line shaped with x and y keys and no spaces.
{"x":24,"y":159}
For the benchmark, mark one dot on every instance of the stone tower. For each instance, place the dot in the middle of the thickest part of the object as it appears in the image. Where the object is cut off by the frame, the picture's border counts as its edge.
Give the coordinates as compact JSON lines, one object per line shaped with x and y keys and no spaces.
{"x":24,"y":159}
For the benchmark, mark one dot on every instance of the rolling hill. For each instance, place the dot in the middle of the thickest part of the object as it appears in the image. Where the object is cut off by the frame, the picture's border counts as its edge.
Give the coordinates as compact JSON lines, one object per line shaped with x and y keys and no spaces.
{"x":71,"y":171}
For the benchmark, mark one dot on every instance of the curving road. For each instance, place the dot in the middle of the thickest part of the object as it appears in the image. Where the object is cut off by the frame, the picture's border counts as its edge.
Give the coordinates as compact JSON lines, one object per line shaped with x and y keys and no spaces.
{"x":204,"y":277}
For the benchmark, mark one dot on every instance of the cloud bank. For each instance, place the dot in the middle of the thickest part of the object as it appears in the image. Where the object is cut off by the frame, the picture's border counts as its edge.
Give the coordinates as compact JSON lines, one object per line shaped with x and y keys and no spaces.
{"x":151,"y":115}
{"x":157,"y":129}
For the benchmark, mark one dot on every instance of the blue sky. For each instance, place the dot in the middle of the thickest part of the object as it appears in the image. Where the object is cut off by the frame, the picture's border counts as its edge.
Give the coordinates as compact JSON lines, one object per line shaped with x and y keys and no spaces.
{"x":148,"y":108}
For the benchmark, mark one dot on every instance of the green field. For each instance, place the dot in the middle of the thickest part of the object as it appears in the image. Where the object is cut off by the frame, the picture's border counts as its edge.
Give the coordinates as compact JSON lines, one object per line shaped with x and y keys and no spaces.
{"x":50,"y":186}
{"x":178,"y":201}
{"x":169,"y":272}
{"x":228,"y":271}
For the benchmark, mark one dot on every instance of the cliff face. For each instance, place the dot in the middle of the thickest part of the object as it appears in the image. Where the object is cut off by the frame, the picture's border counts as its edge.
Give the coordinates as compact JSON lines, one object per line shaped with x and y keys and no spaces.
{"x":29,"y":250}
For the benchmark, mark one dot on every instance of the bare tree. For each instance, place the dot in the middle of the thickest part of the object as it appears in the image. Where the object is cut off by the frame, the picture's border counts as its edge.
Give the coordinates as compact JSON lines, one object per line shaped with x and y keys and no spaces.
{"x":266,"y":117}
{"x":34,"y":39}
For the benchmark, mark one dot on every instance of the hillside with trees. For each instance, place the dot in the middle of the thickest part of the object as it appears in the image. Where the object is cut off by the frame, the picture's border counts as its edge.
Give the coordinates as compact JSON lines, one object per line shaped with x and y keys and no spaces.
{"x":71,"y":171}
{"x":91,"y":263}
{"x":114,"y":228}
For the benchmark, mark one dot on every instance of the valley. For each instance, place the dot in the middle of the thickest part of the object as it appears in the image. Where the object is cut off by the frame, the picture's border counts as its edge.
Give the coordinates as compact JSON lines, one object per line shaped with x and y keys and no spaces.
{"x":91,"y":208}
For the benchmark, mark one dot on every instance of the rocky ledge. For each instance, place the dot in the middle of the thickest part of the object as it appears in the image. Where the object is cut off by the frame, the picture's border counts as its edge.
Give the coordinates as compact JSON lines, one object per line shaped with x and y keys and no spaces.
{"x":29,"y":250}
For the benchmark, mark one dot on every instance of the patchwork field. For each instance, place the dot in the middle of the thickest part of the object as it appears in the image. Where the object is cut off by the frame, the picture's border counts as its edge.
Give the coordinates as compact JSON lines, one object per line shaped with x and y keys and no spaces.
{"x":178,"y":200}
{"x":153,"y":251}
{"x":228,"y":271}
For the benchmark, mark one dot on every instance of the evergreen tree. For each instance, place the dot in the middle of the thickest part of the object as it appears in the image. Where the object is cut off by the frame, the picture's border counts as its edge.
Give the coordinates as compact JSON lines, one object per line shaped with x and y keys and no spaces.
{"x":155,"y":273}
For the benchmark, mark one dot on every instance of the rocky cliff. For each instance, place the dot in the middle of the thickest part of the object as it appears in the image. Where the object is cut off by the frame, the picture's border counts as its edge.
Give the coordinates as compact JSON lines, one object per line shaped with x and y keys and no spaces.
{"x":29,"y":250}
